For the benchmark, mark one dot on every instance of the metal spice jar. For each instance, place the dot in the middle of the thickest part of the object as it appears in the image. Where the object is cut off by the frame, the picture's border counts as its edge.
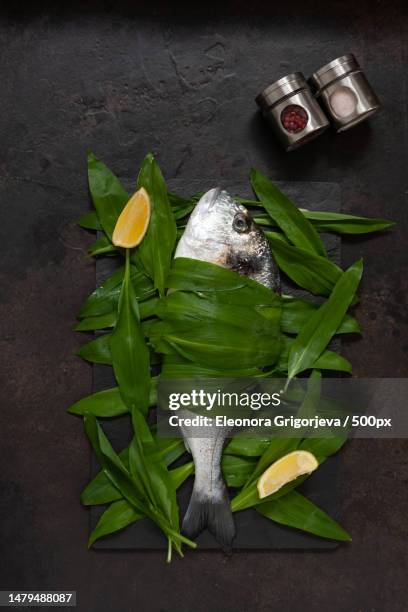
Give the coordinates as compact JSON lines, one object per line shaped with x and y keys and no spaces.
{"x":292,"y":111}
{"x":344,"y":92}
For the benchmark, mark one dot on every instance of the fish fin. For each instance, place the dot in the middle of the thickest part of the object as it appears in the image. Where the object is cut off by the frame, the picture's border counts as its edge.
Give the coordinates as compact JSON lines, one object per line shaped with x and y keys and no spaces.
{"x":213,"y":513}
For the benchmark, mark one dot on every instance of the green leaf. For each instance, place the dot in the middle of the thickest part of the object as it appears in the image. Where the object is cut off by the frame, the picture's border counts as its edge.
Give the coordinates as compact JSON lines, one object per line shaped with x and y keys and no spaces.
{"x":236,"y":470}
{"x":100,"y":322}
{"x":296,"y":313}
{"x":97,"y":351}
{"x":333,"y":222}
{"x":147,"y":466}
{"x":311,"y":399}
{"x":156,"y":249}
{"x":312,"y":396}
{"x":220,"y":346}
{"x":312,"y":272}
{"x":194,"y":275}
{"x":147,"y":309}
{"x":209,"y":330}
{"x":328,"y":221}
{"x":152,"y":478}
{"x":118,"y":516}
{"x":180,"y":206}
{"x":106,"y":297}
{"x":295,"y":510}
{"x":177,"y":201}
{"x":108,"y":195}
{"x":100,"y":490}
{"x":120,"y":513}
{"x":130,"y":355}
{"x":277,"y":448}
{"x":102,"y":246}
{"x":219,"y":319}
{"x":107,"y":403}
{"x":246,"y":447}
{"x":131,"y":486}
{"x":323,"y":324}
{"x":176,"y":366}
{"x":195,"y":310}
{"x":353,"y":228}
{"x":287,"y":216}
{"x":182,"y":213}
{"x":113,"y":466}
{"x":248,"y":496}
{"x":170,"y":449}
{"x":322,"y":448}
{"x":277,"y":236}
{"x":345,"y":224}
{"x":180,"y":474}
{"x":90,"y":221}
{"x":329,"y":360}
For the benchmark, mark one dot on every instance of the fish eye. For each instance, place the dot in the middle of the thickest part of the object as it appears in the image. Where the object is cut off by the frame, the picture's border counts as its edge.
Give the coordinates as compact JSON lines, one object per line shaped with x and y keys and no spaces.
{"x":241,"y":223}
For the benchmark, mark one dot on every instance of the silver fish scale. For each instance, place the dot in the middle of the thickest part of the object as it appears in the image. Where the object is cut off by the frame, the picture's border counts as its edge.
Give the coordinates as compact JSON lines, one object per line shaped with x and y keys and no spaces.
{"x":206,"y":453}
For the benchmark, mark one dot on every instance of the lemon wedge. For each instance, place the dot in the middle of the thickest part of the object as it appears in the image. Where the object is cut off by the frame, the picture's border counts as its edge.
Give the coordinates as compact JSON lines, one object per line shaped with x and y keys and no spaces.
{"x":133,"y":221}
{"x":284,"y":470}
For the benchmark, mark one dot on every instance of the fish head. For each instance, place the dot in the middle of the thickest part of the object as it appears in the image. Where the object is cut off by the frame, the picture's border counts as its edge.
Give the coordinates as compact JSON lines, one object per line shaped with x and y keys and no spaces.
{"x":221,"y":231}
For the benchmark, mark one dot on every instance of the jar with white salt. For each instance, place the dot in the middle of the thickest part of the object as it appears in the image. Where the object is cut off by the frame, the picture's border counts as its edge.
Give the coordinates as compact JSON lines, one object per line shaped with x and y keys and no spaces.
{"x":343,"y":90}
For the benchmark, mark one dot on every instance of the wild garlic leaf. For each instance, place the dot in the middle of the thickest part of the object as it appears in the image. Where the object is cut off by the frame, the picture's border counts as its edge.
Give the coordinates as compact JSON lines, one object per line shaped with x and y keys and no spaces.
{"x":308,"y":270}
{"x":101,"y":491}
{"x":296,"y":312}
{"x":156,"y":249}
{"x":106,"y":403}
{"x":342,"y":223}
{"x":296,"y":510}
{"x":130,"y":355}
{"x":121,"y":513}
{"x":108,"y":195}
{"x":316,"y":334}
{"x":106,"y":297}
{"x":90,"y":221}
{"x":287,"y":216}
{"x":97,"y":351}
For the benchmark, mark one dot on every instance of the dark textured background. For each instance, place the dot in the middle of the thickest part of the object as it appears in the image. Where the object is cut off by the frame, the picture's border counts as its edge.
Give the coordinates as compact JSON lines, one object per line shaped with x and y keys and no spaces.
{"x":183,"y":87}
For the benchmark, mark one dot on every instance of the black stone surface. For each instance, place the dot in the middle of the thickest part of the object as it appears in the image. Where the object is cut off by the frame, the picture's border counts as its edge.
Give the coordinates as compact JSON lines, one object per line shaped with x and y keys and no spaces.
{"x":181,"y":82}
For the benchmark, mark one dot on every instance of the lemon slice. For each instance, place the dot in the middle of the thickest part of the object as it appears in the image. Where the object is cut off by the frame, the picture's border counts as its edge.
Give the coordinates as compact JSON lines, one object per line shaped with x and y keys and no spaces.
{"x":133,"y":221}
{"x":284,"y":470}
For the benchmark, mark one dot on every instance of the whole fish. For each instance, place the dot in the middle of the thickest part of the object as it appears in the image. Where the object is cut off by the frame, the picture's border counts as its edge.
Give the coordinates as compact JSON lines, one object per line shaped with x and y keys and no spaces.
{"x":222,"y":232}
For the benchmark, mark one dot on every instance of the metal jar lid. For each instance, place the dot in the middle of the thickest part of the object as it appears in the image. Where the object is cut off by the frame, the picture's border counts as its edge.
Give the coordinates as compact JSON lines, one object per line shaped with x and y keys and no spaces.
{"x":280,"y":89}
{"x":333,"y":70}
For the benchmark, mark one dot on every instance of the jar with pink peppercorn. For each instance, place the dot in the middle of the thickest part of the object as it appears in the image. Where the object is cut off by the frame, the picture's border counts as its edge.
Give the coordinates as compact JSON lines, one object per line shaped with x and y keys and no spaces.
{"x":292,"y":111}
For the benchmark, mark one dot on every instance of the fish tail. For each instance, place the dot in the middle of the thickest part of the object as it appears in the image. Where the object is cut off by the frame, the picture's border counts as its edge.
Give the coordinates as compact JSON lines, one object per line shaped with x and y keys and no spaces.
{"x":212,"y":512}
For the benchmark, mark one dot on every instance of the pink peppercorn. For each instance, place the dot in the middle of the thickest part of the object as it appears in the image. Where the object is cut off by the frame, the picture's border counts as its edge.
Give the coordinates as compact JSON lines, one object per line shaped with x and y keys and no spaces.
{"x":294,"y":118}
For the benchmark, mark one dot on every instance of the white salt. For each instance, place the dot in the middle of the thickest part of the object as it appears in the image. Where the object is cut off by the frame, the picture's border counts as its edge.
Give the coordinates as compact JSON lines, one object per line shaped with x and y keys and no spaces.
{"x":343,"y":101}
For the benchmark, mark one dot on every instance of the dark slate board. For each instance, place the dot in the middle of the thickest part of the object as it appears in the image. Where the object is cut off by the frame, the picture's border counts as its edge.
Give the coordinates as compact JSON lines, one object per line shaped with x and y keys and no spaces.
{"x":253,"y":530}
